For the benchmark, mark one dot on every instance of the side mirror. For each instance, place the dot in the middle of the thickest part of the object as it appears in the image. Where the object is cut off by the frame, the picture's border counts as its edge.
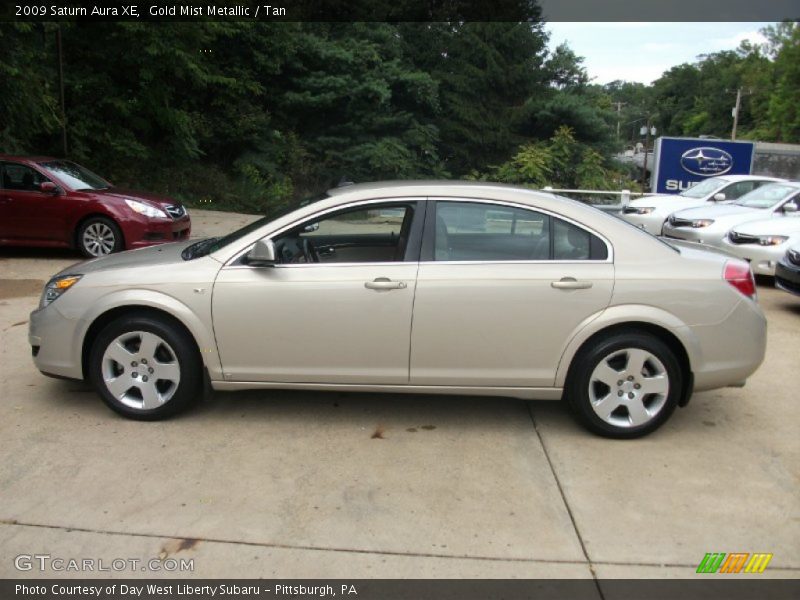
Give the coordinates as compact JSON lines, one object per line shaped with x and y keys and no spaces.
{"x":789,"y":208}
{"x":719,"y":197}
{"x":310,"y":228}
{"x":48,"y":187}
{"x":262,"y":254}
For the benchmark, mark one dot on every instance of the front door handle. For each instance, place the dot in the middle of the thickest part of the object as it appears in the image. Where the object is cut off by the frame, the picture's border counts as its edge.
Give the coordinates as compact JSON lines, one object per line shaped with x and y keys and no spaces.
{"x":384,"y":283}
{"x":570,"y":283}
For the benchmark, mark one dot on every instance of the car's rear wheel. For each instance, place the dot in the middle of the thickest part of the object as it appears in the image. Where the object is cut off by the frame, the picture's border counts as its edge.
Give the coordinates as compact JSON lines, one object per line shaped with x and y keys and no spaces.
{"x":145,"y":367}
{"x":625,"y":385}
{"x":98,"y":236}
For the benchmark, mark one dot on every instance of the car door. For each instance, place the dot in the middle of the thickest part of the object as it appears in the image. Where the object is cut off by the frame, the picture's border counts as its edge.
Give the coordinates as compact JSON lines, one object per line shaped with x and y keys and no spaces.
{"x":500,"y":290}
{"x":335,"y":308}
{"x":26,"y":212}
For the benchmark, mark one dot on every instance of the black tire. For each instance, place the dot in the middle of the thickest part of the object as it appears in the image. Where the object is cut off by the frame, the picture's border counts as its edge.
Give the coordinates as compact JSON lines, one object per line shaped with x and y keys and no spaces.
{"x":113,"y":237}
{"x":180,"y":349}
{"x":577,"y":389}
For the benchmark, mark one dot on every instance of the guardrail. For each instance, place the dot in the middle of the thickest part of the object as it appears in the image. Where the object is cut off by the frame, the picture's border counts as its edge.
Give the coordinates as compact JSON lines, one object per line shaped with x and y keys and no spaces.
{"x":624,"y":197}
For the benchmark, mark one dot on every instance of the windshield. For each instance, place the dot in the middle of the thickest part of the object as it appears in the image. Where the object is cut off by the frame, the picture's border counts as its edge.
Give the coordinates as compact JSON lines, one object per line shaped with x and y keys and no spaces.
{"x":209,"y":245}
{"x":766,"y":196}
{"x":75,"y":176}
{"x":704,"y":188}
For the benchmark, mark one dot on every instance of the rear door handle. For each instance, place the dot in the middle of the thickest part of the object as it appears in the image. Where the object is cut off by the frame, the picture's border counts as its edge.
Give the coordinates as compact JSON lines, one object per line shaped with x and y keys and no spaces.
{"x":570,"y":283}
{"x":384,"y":283}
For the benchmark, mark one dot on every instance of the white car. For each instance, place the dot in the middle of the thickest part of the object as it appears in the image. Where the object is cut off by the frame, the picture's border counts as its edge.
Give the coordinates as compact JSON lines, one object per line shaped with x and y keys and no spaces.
{"x":763,"y":243}
{"x":711,"y":224}
{"x":650,"y":212}
{"x":787,"y":272}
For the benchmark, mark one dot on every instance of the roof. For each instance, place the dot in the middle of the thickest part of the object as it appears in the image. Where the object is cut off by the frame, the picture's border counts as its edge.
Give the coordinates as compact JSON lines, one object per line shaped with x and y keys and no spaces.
{"x":429,"y":184}
{"x":27,"y":158}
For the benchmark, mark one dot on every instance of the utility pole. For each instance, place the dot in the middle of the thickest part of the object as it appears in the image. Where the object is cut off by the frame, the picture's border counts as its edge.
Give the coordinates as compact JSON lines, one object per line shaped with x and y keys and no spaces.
{"x":736,"y":112}
{"x":619,"y":109}
{"x":61,"y":88}
{"x":646,"y":144}
{"x":737,"y":108}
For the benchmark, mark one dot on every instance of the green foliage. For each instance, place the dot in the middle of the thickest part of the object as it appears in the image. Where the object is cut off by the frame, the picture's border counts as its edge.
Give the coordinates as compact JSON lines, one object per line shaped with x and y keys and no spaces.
{"x":561,"y":162}
{"x":252,"y":115}
{"x":696,"y":99}
{"x":28,"y":106}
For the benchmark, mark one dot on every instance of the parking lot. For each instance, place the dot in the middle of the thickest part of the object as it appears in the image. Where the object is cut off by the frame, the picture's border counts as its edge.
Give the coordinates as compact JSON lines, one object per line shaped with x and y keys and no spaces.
{"x":302,"y":484}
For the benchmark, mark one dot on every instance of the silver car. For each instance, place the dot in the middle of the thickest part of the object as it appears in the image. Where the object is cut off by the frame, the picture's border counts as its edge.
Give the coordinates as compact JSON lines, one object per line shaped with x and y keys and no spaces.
{"x":426,"y":287}
{"x":711,"y":224}
{"x":763,"y":243}
{"x":650,"y":212}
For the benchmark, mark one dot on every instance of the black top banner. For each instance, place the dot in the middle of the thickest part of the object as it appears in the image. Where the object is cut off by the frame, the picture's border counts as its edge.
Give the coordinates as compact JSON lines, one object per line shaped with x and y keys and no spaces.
{"x":404,"y":10}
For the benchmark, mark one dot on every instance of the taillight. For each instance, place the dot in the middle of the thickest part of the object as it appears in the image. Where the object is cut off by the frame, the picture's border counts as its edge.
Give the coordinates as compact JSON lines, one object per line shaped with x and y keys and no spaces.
{"x":739,"y":275}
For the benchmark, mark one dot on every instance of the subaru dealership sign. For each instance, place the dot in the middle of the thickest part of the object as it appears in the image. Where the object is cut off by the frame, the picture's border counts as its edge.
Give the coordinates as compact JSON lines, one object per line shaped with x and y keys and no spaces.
{"x":681,"y":163}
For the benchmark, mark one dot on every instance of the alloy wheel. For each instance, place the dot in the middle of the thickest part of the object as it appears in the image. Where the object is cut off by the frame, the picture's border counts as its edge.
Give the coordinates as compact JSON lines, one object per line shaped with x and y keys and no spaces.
{"x":629,"y":387}
{"x":141,"y":370}
{"x":99,"y":239}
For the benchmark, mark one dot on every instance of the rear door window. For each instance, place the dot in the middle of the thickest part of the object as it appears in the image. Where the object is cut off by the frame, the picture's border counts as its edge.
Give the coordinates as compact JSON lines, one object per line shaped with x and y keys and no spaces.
{"x":476,"y":231}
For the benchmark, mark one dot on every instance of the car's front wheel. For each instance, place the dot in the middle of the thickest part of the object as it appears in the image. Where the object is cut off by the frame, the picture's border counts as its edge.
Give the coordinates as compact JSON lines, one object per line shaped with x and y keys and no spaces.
{"x":625,"y":385}
{"x":145,"y":367}
{"x":99,"y":236}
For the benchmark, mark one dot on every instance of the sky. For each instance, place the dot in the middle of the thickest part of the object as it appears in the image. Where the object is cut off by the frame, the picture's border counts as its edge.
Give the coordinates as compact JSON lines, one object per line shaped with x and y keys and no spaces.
{"x":643,"y":51}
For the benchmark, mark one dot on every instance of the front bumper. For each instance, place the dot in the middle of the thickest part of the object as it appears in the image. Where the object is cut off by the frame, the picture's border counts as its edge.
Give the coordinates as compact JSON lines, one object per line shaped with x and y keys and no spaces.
{"x":55,"y":344}
{"x":149,"y":232}
{"x":701,"y":235}
{"x":762,"y":259}
{"x":651,"y":223}
{"x":787,"y":277}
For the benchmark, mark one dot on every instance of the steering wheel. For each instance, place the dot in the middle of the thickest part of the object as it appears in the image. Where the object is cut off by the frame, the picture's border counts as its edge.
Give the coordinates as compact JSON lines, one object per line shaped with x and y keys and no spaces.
{"x":309,"y":252}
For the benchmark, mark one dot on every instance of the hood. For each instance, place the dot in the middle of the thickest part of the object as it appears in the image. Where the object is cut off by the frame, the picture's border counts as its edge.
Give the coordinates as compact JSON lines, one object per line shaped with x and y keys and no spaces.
{"x":778,"y":226}
{"x":162,"y":254}
{"x":715,"y":211}
{"x":123,"y":194}
{"x":667,"y":201}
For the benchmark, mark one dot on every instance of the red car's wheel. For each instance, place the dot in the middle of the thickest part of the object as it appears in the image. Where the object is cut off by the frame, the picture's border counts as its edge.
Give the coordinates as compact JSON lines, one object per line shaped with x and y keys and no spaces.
{"x":99,"y":236}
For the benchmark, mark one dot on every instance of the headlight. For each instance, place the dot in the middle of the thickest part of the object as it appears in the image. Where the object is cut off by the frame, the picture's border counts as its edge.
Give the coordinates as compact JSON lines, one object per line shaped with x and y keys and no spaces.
{"x":145,"y":209}
{"x":57,"y":286}
{"x":644,"y":210}
{"x":702,"y":223}
{"x":772,"y":240}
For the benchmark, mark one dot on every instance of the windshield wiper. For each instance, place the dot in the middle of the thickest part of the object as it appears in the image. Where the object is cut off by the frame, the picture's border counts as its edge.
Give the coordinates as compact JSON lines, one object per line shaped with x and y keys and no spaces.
{"x":198,"y":249}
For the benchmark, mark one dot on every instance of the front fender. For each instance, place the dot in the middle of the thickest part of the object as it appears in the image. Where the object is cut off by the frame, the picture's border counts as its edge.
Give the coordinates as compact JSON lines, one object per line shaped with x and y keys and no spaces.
{"x":142,"y":297}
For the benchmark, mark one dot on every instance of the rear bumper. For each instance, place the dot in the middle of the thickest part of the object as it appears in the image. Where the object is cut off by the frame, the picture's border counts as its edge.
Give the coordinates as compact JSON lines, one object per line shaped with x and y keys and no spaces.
{"x":732,"y":349}
{"x":787,"y":277}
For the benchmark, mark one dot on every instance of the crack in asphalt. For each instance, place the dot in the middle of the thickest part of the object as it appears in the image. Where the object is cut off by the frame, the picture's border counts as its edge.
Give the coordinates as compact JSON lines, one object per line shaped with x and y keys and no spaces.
{"x":566,"y":503}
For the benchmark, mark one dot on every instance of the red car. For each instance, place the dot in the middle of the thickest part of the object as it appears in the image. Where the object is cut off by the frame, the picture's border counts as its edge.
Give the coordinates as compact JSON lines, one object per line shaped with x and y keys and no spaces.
{"x":53,"y":202}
